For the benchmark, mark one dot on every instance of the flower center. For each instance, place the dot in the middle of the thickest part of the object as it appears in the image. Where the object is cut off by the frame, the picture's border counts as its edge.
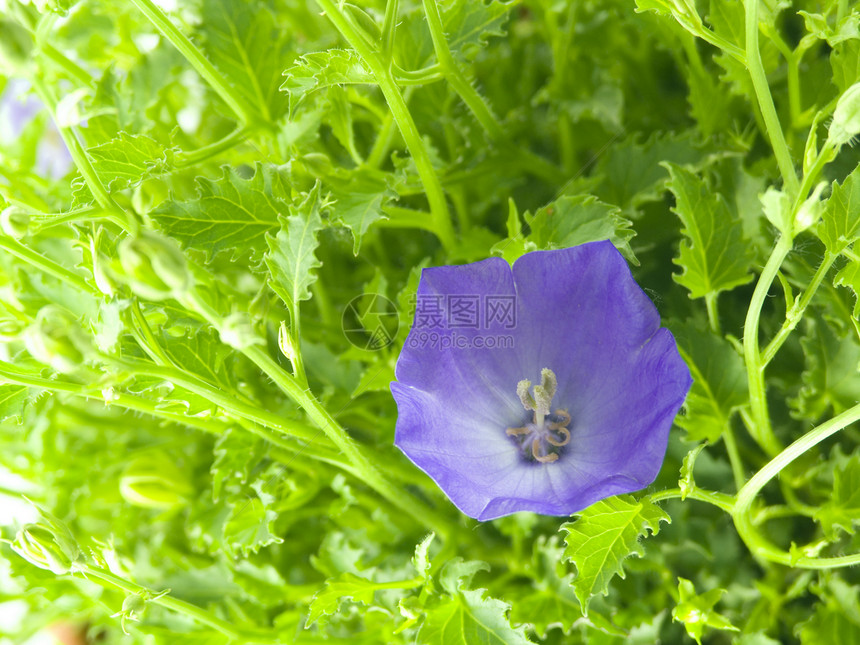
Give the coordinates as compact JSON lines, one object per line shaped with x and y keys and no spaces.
{"x":548,"y":431}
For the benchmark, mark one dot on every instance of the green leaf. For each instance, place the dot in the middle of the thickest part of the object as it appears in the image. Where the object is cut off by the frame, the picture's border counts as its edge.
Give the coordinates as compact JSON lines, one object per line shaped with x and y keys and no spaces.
{"x":231,"y":214}
{"x":604,"y":535}
{"x":842,"y":510}
{"x":715,"y":257}
{"x":469,"y":24}
{"x":573,"y":220}
{"x":849,"y":276}
{"x":347,"y":585}
{"x":467,"y":616}
{"x":421,"y":558}
{"x":249,"y":527}
{"x":13,"y":398}
{"x":245,"y":43}
{"x":358,"y":203}
{"x":831,"y":377}
{"x":291,"y":258}
{"x":124,"y":162}
{"x":719,"y":382}
{"x":840,"y":224}
{"x":697,"y":611}
{"x":318,"y":71}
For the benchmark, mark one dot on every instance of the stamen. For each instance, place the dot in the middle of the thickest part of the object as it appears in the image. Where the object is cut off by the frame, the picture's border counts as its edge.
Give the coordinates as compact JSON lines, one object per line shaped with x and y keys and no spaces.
{"x":544,"y":459}
{"x":516,"y":431}
{"x":565,"y":433}
{"x":555,"y":425}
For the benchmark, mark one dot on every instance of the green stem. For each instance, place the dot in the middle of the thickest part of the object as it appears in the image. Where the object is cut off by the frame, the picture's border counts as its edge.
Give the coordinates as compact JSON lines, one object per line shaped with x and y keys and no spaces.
{"x":332,"y":429}
{"x":399,"y":217}
{"x":794,"y":315}
{"x":765,"y":100}
{"x":720,"y":500}
{"x":79,"y":155}
{"x":50,"y":267}
{"x":761,"y":429}
{"x":734,"y":456}
{"x":71,"y":67}
{"x":197,"y":60}
{"x":231,"y":405}
{"x":454,"y":74}
{"x":194,"y":157}
{"x":755,"y":541}
{"x":179,"y":606}
{"x":402,"y":116}
{"x":713,"y":313}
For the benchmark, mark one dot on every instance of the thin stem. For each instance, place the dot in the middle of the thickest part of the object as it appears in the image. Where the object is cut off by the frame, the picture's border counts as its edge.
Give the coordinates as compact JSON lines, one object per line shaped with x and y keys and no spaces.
{"x":194,"y":157}
{"x":761,"y":429}
{"x":229,"y":404}
{"x":402,"y":116}
{"x":755,"y":541}
{"x":720,"y":500}
{"x":713,"y":313}
{"x":399,"y":217}
{"x":179,"y":606}
{"x":76,"y":150}
{"x":50,"y":267}
{"x":332,"y":429}
{"x":765,"y":100}
{"x":795,"y":314}
{"x":71,"y":67}
{"x":197,"y":60}
{"x":452,"y":72}
{"x":734,"y":456}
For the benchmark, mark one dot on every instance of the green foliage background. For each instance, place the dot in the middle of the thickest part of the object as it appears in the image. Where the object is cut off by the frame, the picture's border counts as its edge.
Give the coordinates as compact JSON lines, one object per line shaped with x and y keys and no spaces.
{"x":209,"y":459}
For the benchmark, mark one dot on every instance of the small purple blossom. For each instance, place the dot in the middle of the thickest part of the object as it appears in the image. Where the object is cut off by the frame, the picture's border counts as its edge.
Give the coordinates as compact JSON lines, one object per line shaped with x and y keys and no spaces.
{"x":17,"y":108}
{"x":577,"y":408}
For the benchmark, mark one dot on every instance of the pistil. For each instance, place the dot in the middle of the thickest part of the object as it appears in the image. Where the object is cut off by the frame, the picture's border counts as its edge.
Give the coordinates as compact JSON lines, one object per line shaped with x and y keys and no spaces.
{"x":553,"y":432}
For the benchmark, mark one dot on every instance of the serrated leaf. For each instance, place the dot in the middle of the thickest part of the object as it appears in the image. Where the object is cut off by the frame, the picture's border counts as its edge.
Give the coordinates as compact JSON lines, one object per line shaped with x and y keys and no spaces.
{"x":467,"y":618}
{"x":249,"y":527}
{"x":246,"y":45}
{"x":347,"y":585}
{"x":230,"y":214}
{"x":849,"y":276}
{"x":840,"y":224}
{"x":468,"y":24}
{"x":719,"y":382}
{"x":123,"y":163}
{"x":714,"y":255}
{"x":573,"y":220}
{"x":697,"y":611}
{"x":358,"y":203}
{"x":13,"y":398}
{"x":291,"y":258}
{"x":317,"y":71}
{"x":842,"y":510}
{"x":831,"y":377}
{"x":605,"y":534}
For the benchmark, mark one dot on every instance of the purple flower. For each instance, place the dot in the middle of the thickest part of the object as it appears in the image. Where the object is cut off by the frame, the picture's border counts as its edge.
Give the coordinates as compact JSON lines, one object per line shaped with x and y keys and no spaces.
{"x":544,"y":388}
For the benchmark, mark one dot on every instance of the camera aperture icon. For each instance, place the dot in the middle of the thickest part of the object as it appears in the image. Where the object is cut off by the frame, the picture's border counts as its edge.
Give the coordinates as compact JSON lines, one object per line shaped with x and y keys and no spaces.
{"x":370,"y":321}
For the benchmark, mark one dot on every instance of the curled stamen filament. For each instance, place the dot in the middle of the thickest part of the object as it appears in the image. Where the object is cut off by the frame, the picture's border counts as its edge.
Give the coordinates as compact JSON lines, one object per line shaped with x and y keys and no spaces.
{"x":544,"y":459}
{"x":565,"y":434}
{"x":516,"y":431}
{"x":557,"y":425}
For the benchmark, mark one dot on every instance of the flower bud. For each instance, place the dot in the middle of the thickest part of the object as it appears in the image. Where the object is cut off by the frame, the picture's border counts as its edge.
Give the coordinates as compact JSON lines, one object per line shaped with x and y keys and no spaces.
{"x":153,"y":266}
{"x":285,"y":342}
{"x":238,"y":332}
{"x":55,"y":339}
{"x":16,"y":45}
{"x":14,"y":222}
{"x":846,"y":117}
{"x":811,"y":210}
{"x":49,"y":546}
{"x":153,"y":481}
